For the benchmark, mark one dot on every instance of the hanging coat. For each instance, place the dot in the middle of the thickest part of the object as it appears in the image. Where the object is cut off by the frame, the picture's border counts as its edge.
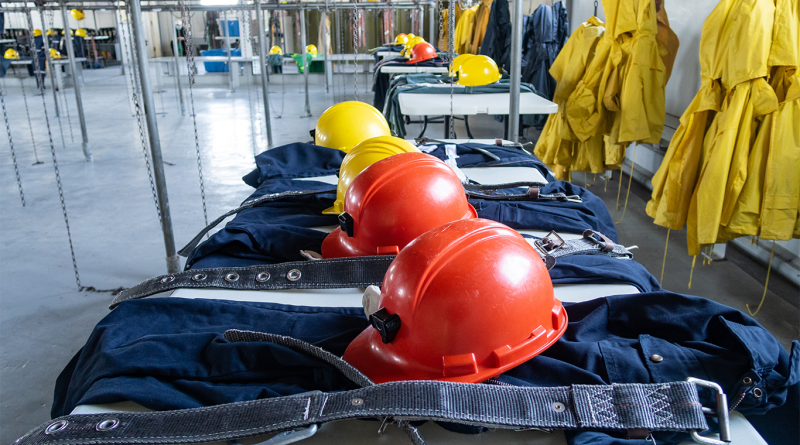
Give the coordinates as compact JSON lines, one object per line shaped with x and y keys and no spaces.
{"x":497,"y":40}
{"x":479,"y":29}
{"x":464,"y":28}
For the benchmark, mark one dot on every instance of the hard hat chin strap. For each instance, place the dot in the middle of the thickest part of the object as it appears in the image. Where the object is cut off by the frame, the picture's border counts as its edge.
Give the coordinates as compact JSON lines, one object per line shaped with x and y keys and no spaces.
{"x":629,"y":406}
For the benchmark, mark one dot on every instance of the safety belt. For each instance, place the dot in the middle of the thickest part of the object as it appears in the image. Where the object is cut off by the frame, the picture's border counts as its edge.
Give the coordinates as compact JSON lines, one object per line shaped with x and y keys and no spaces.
{"x":340,"y":273}
{"x":629,"y":406}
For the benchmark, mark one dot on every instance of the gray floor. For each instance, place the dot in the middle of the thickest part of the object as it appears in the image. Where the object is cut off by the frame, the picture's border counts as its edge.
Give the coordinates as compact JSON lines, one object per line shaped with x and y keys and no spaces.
{"x":43,"y":318}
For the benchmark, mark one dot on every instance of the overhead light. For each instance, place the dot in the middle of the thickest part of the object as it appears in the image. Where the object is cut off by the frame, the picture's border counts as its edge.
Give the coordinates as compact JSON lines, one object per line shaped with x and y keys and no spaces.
{"x":219,"y":2}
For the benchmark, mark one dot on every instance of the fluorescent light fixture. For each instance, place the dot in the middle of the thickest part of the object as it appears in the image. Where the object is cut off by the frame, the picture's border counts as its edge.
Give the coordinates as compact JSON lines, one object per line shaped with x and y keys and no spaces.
{"x":219,"y":2}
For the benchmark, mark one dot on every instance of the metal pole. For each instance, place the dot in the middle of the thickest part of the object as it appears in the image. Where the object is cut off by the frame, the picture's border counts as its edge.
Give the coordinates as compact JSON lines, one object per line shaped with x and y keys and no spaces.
{"x":177,"y":64}
{"x":305,"y":57}
{"x":431,"y":23}
{"x":71,"y":51}
{"x":46,"y":47}
{"x":152,"y":133}
{"x":227,"y":30}
{"x":262,"y":51}
{"x":325,"y":42}
{"x":515,"y":71}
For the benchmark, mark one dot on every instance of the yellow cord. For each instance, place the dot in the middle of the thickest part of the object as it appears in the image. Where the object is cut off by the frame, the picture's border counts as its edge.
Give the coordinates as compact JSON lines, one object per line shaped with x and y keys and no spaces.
{"x":585,"y":180}
{"x":694,"y":259}
{"x":619,"y":190}
{"x":605,"y":177}
{"x":665,"y":257}
{"x":766,"y":283}
{"x":630,"y":180}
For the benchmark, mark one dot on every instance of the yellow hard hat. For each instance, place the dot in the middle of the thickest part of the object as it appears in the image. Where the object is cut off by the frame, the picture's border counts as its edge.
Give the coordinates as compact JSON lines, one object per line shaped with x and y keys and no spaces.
{"x":78,"y":14}
{"x":457,"y":62}
{"x":311,"y":49}
{"x":276,"y":50}
{"x":52,"y":32}
{"x":401,"y":39}
{"x":347,"y":124}
{"x":412,"y":42}
{"x":410,"y":36}
{"x":80,"y":32}
{"x":477,"y":71}
{"x":11,"y":53}
{"x":54,"y":54}
{"x":37,"y":32}
{"x":362,"y":156}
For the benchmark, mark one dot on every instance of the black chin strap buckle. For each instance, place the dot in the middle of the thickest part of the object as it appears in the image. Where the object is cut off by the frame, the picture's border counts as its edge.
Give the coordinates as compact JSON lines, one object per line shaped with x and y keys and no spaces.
{"x":346,"y":223}
{"x":386,"y":324}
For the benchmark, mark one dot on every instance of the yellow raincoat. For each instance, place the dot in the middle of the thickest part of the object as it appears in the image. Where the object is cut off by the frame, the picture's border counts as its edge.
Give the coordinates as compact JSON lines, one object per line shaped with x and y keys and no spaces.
{"x":732,"y":166}
{"x":618,"y":96}
{"x":481,"y":22}
{"x":464,"y":28}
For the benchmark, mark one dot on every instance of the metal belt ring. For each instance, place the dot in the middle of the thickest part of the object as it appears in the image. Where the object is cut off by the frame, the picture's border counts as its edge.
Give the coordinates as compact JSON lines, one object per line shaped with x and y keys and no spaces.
{"x":107,"y":425}
{"x":199,"y":276}
{"x":168,"y":279}
{"x":293,"y":275}
{"x":56,"y":427}
{"x":262,"y":277}
{"x":231,"y":277}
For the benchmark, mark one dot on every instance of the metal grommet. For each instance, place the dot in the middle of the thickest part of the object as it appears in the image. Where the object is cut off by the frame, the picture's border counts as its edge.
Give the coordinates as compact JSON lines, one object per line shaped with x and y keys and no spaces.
{"x":199,"y":276}
{"x":262,"y":277}
{"x":655,"y":358}
{"x":357,"y":402}
{"x":55,"y":427}
{"x":558,"y":407}
{"x":231,"y":277}
{"x":747,"y":380}
{"x":107,"y":425}
{"x":168,"y":279}
{"x":293,"y":275}
{"x":757,"y":392}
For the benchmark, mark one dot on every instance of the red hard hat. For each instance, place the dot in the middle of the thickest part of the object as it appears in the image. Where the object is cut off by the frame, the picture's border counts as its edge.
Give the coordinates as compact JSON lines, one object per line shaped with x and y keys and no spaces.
{"x":422,"y":52}
{"x":394,"y":201}
{"x":464,"y":302}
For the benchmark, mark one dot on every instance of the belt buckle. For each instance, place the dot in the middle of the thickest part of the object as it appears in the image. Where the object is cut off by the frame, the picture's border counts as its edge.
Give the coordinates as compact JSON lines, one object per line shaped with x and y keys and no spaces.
{"x":721,"y":413}
{"x":550,"y":242}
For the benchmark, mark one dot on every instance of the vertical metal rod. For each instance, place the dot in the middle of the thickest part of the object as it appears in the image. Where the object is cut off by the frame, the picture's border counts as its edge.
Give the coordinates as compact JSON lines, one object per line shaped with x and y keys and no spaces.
{"x":431,"y":23}
{"x":75,"y":81}
{"x":262,"y":51}
{"x":177,"y":64}
{"x":46,"y":47}
{"x":306,"y":66}
{"x":325,"y":43}
{"x":227,"y":30}
{"x":152,"y":133}
{"x":515,"y":71}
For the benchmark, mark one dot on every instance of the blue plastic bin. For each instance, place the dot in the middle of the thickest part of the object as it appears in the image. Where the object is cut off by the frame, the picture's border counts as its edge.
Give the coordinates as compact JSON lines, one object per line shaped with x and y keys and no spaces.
{"x":218,"y":67}
{"x":233,"y":27}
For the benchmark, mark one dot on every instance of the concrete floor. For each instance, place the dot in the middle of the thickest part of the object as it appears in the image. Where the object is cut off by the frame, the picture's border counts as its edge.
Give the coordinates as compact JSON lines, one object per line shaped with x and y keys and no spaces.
{"x":44,"y":320}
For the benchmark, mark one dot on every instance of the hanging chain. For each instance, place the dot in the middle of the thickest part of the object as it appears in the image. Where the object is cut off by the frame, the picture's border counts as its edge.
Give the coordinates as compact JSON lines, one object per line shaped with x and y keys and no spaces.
{"x":270,"y":23}
{"x":66,"y":98}
{"x":451,"y":29}
{"x":28,"y":114}
{"x":355,"y":53}
{"x":188,"y":40}
{"x":245,"y":19}
{"x":11,"y":144}
{"x":53,"y":150}
{"x":63,"y":87}
{"x":341,"y":47}
{"x":135,"y":87}
{"x":595,"y":8}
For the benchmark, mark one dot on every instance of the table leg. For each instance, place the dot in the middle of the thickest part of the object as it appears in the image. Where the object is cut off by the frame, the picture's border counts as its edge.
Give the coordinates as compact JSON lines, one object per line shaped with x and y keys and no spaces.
{"x":424,"y":126}
{"x":447,"y":127}
{"x":466,"y":124}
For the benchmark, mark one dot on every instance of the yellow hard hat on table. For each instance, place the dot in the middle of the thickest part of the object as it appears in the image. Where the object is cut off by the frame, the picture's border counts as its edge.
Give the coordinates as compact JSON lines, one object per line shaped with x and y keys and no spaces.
{"x":54,"y":54}
{"x":11,"y":53}
{"x":477,"y":71}
{"x":311,"y":49}
{"x":401,"y":39}
{"x":457,"y":62}
{"x":276,"y":50}
{"x":362,"y":156}
{"x":412,"y":42}
{"x":80,"y":32}
{"x":346,"y":124}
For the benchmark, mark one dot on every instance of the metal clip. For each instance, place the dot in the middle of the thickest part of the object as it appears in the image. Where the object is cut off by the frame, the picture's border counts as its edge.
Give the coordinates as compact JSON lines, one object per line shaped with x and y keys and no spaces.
{"x":574,"y":198}
{"x":551,"y":242}
{"x":721,"y":413}
{"x":292,"y":436}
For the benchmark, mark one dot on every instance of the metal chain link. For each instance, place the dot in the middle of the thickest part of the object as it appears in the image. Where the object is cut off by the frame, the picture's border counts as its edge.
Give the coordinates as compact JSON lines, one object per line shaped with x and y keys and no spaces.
{"x":278,"y":28}
{"x":11,"y":144}
{"x":341,"y":47}
{"x":53,"y":150}
{"x":42,"y":15}
{"x":135,"y":88}
{"x":355,"y":53}
{"x":188,"y":40}
{"x":595,"y":8}
{"x":28,"y":115}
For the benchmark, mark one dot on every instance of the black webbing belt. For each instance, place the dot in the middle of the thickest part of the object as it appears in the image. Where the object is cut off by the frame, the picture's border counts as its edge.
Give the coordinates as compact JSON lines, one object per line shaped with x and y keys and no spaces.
{"x":652,"y":407}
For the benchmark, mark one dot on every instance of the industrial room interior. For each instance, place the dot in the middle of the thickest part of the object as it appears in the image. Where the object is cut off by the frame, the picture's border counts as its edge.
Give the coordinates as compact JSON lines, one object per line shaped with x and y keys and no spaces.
{"x":82,"y":217}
